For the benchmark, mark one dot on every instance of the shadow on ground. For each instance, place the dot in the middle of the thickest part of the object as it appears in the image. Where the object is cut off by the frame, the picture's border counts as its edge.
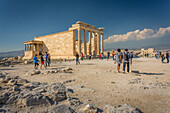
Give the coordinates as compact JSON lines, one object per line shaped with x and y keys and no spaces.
{"x":145,"y":73}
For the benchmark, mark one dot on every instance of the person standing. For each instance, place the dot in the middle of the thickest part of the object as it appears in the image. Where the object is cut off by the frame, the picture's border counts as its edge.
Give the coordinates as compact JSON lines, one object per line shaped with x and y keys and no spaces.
{"x":42,"y":61}
{"x":81,"y":56}
{"x":162,"y":58}
{"x":99,"y":56}
{"x":49,"y":59}
{"x":113,"y":55}
{"x":167,"y":57}
{"x":35,"y":62}
{"x":90,"y":56}
{"x":118,"y":59}
{"x":108,"y":55}
{"x":131,"y":57}
{"x":46,"y":60}
{"x":147,"y":54}
{"x":126,"y":57}
{"x":102,"y":56}
{"x":77,"y":59}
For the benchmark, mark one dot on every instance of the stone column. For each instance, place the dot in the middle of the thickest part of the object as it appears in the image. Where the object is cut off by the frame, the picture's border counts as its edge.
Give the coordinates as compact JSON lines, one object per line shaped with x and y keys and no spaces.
{"x":74,"y":42}
{"x":101,"y":43}
{"x":98,"y":44}
{"x":79,"y":41}
{"x":94,"y":44}
{"x":29,"y":47}
{"x":89,"y":42}
{"x":85,"y":45}
{"x":25,"y":47}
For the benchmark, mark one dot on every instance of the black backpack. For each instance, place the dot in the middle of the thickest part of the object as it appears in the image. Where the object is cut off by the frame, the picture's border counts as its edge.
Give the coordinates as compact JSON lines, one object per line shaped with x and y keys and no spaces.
{"x":126,"y":56}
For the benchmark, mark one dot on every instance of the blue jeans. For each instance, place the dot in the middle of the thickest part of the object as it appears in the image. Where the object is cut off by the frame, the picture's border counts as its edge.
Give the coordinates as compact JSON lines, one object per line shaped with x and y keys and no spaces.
{"x":167,"y":59}
{"x":124,"y":66}
{"x":77,"y":61}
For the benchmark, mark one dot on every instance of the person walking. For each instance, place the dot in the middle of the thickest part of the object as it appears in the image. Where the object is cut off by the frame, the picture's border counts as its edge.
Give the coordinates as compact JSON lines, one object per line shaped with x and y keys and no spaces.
{"x":118,"y":59}
{"x":42,"y":61}
{"x":102,"y":56}
{"x":126,"y":57}
{"x":167,"y":56}
{"x":46,"y":61}
{"x":49,"y":59}
{"x":162,"y":58}
{"x":35,"y":62}
{"x":77,"y":59}
{"x":108,"y":55}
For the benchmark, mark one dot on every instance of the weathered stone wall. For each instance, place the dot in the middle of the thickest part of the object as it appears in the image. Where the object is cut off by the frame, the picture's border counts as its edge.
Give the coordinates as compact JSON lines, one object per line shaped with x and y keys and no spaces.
{"x":58,"y":44}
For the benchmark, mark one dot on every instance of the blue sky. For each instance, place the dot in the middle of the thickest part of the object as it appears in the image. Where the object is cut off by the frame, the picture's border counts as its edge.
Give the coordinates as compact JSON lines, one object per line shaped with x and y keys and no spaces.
{"x":22,"y":20}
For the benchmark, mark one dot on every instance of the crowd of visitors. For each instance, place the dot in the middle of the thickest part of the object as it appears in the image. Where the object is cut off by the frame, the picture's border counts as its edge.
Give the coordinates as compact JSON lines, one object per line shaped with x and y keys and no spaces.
{"x":119,"y":58}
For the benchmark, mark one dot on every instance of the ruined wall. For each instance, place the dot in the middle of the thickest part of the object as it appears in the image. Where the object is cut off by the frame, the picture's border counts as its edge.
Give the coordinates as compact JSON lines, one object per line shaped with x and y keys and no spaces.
{"x":58,"y":44}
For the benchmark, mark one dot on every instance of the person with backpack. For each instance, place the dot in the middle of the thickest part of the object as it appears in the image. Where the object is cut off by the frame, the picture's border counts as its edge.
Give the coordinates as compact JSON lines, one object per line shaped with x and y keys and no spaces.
{"x":36,"y":62}
{"x":118,"y":59}
{"x":126,"y":58}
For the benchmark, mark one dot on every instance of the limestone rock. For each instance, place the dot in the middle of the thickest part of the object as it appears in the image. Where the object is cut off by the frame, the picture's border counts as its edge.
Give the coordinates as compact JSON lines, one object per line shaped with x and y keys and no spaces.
{"x":35,"y":72}
{"x":3,"y":98}
{"x":122,"y":109}
{"x":90,"y":108}
{"x":61,"y":109}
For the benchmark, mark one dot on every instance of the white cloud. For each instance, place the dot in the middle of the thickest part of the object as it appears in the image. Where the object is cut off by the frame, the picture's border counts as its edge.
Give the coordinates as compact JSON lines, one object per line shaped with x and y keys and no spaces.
{"x":139,"y":35}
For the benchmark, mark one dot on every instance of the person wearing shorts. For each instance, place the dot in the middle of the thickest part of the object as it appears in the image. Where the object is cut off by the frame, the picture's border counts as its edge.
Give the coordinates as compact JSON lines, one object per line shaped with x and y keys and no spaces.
{"x":42,"y":61}
{"x":35,"y":62}
{"x":118,"y":59}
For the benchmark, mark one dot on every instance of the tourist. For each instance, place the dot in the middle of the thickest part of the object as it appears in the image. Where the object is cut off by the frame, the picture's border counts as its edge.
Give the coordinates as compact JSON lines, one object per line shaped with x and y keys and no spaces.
{"x":113,"y":55}
{"x":90,"y":56}
{"x":160,"y":54}
{"x":108,"y":55}
{"x":126,"y":57}
{"x":147,"y":54}
{"x":77,"y":59}
{"x":162,"y":58}
{"x":81,"y":56}
{"x":46,"y":61}
{"x":118,"y":59}
{"x":167,"y":57}
{"x":42,"y":61}
{"x":49,"y":59}
{"x":35,"y":62}
{"x":102,"y":56}
{"x":131,"y":57}
{"x":99,"y":56}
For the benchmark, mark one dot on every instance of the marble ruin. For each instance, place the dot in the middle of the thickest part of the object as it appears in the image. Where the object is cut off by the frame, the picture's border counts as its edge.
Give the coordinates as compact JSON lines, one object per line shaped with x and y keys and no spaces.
{"x":65,"y":45}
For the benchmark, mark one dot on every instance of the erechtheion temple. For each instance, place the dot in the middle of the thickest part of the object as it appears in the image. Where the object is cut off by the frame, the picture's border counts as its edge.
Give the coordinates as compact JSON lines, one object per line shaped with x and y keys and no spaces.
{"x":65,"y":45}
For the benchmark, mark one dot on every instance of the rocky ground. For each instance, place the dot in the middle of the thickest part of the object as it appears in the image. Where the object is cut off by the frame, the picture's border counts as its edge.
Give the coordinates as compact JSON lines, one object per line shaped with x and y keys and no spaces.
{"x":93,"y":86}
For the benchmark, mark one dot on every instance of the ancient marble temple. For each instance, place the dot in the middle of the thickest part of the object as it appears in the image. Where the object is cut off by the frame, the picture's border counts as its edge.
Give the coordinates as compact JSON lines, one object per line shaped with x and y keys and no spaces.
{"x":66,"y":44}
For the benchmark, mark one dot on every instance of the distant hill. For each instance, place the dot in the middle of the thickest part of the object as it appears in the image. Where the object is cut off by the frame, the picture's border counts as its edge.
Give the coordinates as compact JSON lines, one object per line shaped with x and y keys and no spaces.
{"x":11,"y":54}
